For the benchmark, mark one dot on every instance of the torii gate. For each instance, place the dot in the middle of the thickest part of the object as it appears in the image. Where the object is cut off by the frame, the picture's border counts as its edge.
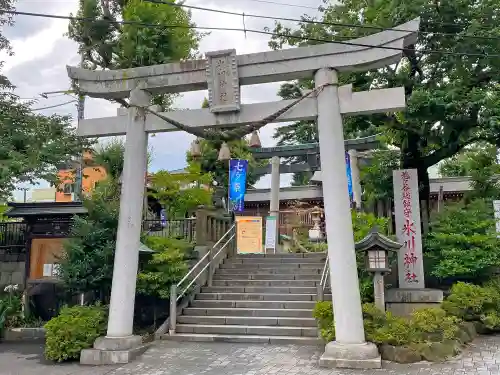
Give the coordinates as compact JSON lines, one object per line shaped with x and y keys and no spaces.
{"x":222,"y":73}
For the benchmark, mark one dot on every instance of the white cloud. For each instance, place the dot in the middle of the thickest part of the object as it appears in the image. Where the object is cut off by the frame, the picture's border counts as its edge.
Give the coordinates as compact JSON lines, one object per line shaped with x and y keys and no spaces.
{"x":40,"y":59}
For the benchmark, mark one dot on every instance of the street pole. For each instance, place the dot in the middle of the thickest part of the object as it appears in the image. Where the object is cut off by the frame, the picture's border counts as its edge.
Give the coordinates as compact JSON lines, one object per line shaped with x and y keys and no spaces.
{"x":79,"y":168}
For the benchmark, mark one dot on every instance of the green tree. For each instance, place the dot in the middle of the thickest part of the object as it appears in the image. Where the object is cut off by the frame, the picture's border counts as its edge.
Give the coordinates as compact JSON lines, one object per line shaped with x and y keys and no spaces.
{"x":182,"y":193}
{"x":209,"y":161}
{"x":463,"y":243}
{"x":33,"y":146}
{"x":167,"y":266}
{"x":376,"y":175}
{"x":105,"y":44}
{"x":452,"y":101}
{"x":87,"y":263}
{"x":480,"y":163}
{"x":110,"y":157}
{"x":303,"y":132}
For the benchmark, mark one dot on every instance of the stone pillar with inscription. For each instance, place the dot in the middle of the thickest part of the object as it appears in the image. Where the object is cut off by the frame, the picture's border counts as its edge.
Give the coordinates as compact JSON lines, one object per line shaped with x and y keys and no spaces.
{"x":411,"y":293}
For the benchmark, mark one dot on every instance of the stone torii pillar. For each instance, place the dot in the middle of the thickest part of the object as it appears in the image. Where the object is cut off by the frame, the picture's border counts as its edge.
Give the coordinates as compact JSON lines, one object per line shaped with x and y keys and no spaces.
{"x":223,"y":72}
{"x":120,"y":345}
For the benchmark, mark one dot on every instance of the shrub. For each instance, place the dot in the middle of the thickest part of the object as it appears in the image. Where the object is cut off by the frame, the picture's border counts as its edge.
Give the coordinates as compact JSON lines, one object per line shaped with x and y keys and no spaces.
{"x":323,"y":313}
{"x":75,"y":328}
{"x":463,"y":243}
{"x":469,"y":301}
{"x":166,"y":267}
{"x":433,"y":325}
{"x":475,"y":303}
{"x":423,"y":326}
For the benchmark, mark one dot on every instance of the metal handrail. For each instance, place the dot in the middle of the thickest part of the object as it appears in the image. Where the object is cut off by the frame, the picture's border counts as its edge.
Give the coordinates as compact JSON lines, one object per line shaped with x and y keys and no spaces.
{"x":324,"y":279}
{"x":174,"y":297}
{"x":205,"y":256}
{"x":204,"y":268}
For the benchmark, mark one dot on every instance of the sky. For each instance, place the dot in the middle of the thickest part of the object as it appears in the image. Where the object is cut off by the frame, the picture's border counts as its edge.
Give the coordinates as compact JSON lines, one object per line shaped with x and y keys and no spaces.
{"x":42,"y":53}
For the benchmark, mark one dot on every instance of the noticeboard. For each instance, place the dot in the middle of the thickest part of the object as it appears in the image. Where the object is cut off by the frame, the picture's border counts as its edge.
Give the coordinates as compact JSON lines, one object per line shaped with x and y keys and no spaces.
{"x":249,"y":235}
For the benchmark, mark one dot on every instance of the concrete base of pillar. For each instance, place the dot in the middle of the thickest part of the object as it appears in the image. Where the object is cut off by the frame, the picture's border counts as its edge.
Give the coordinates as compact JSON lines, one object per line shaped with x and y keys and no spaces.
{"x":402,"y":302}
{"x":355,"y":356}
{"x":113,"y":350}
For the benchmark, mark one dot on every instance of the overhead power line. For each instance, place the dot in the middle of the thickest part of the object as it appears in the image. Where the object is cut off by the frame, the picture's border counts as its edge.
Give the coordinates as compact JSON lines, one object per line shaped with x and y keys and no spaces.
{"x":244,"y":30}
{"x":284,"y":4}
{"x":314,"y":22}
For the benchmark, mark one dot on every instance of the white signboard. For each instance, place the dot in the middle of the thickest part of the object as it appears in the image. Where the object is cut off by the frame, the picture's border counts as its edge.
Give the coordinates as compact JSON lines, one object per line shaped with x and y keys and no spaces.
{"x":47,"y":270}
{"x":496,"y":208}
{"x":271,"y":231}
{"x":408,"y":229}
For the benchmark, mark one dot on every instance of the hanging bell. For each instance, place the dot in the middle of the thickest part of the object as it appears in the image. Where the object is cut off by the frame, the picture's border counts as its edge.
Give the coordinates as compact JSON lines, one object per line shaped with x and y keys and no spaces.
{"x":195,"y":148}
{"x":224,"y":152}
{"x":255,"y":140}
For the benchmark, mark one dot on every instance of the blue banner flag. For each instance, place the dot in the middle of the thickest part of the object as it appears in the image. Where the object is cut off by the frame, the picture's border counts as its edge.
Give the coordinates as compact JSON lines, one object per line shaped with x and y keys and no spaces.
{"x":349,"y":175}
{"x":237,"y":184}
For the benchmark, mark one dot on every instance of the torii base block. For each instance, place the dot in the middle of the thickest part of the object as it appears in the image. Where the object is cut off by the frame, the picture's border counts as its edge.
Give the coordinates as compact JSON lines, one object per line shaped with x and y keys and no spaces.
{"x":353,"y":356}
{"x":113,"y":350}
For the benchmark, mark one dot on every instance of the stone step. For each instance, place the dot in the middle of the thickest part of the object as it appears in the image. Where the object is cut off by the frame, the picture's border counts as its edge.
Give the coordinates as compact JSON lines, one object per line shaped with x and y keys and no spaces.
{"x":247,"y":330}
{"x":276,"y":260}
{"x":288,"y":283}
{"x":252,"y":339}
{"x":259,"y":296}
{"x":290,"y":276}
{"x":261,"y":265}
{"x":269,"y":271}
{"x":219,"y":304}
{"x":257,"y":289}
{"x":283,"y":255}
{"x":248,"y":312}
{"x":247,"y":321}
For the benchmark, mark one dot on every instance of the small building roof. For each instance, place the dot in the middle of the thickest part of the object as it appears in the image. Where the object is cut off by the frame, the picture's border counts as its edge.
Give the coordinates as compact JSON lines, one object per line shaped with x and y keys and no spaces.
{"x":45,"y":209}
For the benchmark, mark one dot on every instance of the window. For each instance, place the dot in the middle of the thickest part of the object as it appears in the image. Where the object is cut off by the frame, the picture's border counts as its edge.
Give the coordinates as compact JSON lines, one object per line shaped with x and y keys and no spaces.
{"x":68,"y":188}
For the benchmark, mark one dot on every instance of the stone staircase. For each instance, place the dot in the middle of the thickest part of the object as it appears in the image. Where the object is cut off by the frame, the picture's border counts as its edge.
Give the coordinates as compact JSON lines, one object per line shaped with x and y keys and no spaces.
{"x":256,"y":298}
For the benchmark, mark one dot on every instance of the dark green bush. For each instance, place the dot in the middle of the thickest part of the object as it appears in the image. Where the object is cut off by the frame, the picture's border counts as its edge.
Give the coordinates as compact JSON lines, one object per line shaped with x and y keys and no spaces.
{"x":423,"y":326}
{"x":75,"y":328}
{"x":463,"y":244}
{"x":166,"y":267}
{"x":323,"y":313}
{"x":475,"y":303}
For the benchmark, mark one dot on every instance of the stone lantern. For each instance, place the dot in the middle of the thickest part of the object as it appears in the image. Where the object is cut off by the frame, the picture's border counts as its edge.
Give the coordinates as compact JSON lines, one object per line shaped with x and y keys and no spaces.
{"x":315,"y":233}
{"x":376,"y":248}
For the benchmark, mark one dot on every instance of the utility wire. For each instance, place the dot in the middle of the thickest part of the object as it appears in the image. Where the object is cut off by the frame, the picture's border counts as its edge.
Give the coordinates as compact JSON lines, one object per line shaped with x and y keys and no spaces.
{"x":263,"y":32}
{"x":313,"y":22}
{"x":54,"y":106}
{"x":456,"y":24}
{"x":284,"y":4}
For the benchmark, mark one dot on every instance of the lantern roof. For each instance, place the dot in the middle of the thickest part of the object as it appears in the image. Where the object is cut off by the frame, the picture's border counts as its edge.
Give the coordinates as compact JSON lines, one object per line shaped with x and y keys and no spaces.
{"x":376,"y":239}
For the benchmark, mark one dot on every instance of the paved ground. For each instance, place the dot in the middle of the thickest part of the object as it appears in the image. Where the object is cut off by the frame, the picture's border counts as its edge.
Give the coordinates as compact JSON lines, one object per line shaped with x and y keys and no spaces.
{"x":169,"y":358}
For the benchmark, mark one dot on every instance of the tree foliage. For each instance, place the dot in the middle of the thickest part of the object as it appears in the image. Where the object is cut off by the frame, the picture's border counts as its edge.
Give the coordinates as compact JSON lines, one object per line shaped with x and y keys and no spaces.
{"x":376,"y":175}
{"x":208,"y":161}
{"x":306,"y":131}
{"x":33,"y":146}
{"x":480,"y":163}
{"x":106,"y":44}
{"x":463,"y":243}
{"x":181,"y":193}
{"x":166,"y":267}
{"x":110,"y":156}
{"x":452,"y":101}
{"x":87,"y":263}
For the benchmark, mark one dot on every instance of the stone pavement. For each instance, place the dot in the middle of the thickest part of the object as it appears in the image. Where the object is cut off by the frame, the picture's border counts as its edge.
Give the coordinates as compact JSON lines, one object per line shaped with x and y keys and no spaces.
{"x":171,"y":358}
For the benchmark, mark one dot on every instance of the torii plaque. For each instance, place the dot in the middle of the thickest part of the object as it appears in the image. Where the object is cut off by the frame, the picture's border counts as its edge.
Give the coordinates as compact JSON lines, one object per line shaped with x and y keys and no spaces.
{"x":323,"y":62}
